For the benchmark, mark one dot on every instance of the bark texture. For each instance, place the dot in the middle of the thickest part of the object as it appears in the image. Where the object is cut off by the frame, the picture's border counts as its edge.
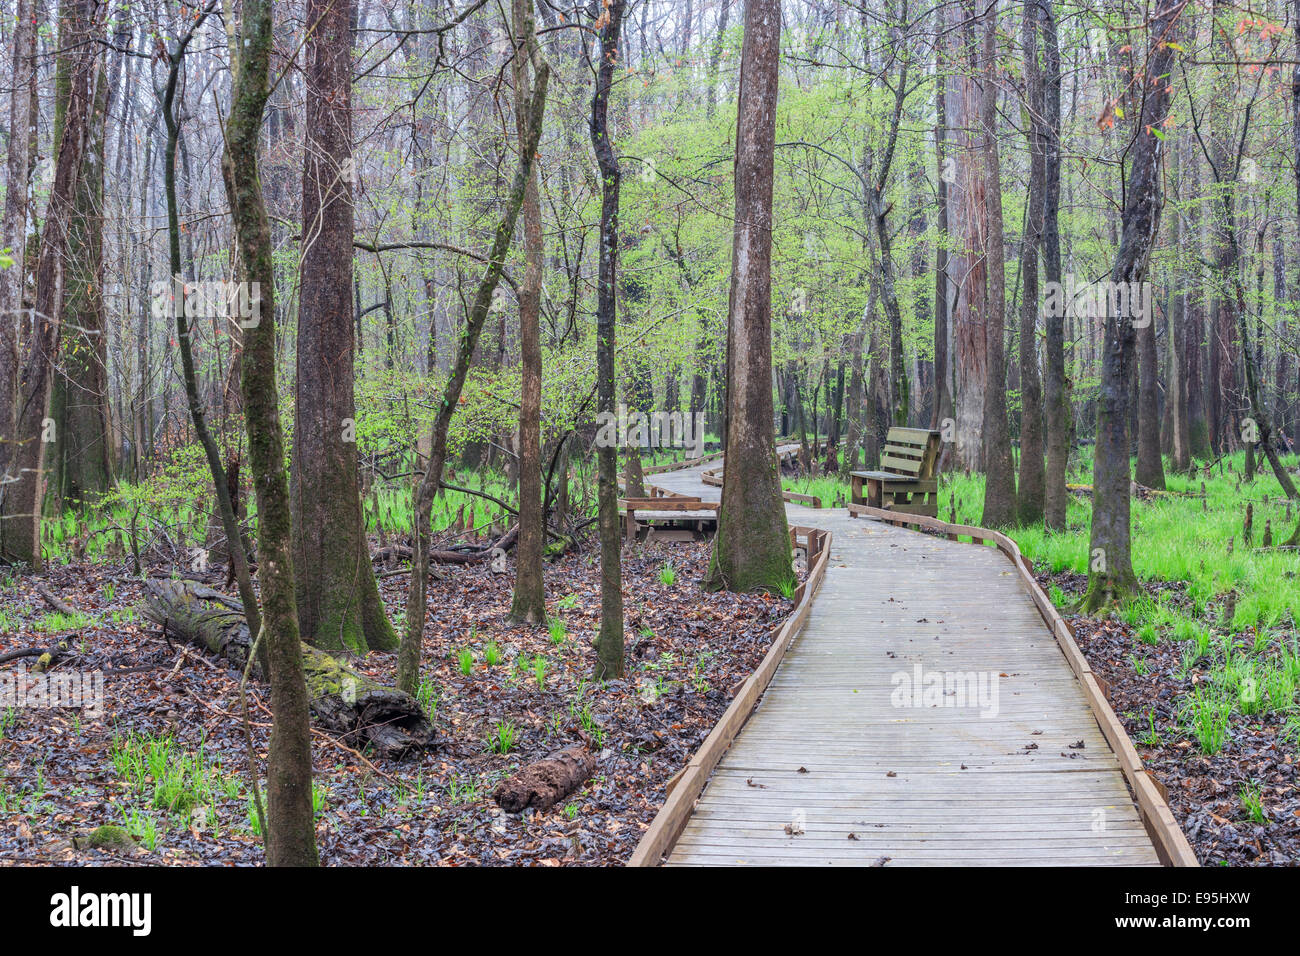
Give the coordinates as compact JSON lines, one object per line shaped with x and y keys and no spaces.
{"x":337,"y":598}
{"x":751,"y":550}
{"x":291,"y":829}
{"x":609,"y":640}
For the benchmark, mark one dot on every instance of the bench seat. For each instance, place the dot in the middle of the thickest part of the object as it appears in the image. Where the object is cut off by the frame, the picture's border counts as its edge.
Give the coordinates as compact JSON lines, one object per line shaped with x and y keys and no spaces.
{"x":907,"y":481}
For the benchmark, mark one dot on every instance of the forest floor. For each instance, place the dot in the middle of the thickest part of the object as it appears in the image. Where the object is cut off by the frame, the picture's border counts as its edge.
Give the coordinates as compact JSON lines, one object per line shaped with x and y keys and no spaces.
{"x":1232,"y":777}
{"x":167,"y":760}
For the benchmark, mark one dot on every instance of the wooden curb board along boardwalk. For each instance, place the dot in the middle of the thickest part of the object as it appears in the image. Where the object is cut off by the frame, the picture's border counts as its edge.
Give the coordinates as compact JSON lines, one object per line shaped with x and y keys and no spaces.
{"x":1036,"y":771}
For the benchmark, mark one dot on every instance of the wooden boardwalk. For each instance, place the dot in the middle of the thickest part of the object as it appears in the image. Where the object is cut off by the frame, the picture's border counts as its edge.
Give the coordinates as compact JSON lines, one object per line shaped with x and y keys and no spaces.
{"x":1006,"y":764}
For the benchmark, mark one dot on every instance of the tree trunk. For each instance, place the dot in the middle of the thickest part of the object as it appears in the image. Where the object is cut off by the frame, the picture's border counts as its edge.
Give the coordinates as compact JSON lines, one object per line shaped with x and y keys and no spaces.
{"x":22,"y":135}
{"x":81,"y":460}
{"x":291,"y":832}
{"x":1000,"y":479}
{"x":336,"y":594}
{"x":1111,"y":576}
{"x":751,"y":550}
{"x":609,"y":640}
{"x":528,"y":604}
{"x":1030,"y":500}
{"x":1150,"y":469}
{"x":23,"y":459}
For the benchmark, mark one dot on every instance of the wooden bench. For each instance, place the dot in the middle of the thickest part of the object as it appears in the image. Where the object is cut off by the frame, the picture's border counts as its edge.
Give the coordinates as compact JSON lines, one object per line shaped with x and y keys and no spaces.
{"x":906,"y":482}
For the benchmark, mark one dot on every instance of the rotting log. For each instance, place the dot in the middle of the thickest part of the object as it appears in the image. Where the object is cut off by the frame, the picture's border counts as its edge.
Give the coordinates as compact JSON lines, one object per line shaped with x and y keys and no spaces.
{"x":543,"y":784}
{"x":343,"y":701}
{"x":470,"y":556}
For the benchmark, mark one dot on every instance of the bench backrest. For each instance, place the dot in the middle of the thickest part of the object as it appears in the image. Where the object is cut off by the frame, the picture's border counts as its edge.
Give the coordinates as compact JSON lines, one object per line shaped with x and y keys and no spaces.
{"x":911,"y":452}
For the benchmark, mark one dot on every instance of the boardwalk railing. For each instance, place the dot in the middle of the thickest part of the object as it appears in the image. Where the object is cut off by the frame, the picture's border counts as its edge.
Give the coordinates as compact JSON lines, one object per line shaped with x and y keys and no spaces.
{"x":686,"y":786}
{"x":1170,"y":843}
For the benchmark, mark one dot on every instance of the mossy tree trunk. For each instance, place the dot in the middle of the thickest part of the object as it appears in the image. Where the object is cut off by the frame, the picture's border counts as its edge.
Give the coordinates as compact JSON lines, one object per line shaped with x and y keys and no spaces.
{"x":291,"y":836}
{"x":609,"y":640}
{"x":337,"y":596}
{"x":528,"y":604}
{"x":1111,"y":576}
{"x":751,"y":550}
{"x":343,"y":700}
{"x":81,"y":461}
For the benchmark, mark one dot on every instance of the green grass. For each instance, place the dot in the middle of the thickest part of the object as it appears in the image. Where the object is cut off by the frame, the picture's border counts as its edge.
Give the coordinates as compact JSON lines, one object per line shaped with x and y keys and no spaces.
{"x":832,"y":492}
{"x":1252,"y":801}
{"x":557,"y":629}
{"x":503,"y":738}
{"x":56,"y":622}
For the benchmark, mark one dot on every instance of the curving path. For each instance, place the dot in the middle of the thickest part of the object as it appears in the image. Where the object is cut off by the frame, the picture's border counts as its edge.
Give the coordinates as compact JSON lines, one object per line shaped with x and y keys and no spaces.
{"x":1017,"y":773}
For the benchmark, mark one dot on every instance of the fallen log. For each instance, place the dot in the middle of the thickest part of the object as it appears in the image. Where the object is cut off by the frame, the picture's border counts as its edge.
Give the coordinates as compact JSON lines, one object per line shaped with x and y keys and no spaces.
{"x":545,"y":783}
{"x":469,"y":556}
{"x":343,"y":700}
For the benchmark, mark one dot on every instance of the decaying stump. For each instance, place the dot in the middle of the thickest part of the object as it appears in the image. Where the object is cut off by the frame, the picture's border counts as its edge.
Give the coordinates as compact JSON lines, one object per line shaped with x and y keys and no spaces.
{"x":343,"y":701}
{"x":545,"y":783}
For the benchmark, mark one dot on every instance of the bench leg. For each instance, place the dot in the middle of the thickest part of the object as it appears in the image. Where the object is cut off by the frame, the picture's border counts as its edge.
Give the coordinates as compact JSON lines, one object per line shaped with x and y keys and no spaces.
{"x":874,"y":493}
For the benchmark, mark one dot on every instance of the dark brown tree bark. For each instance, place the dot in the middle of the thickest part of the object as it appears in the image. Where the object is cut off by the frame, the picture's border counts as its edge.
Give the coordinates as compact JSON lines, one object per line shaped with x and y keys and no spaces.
{"x":1111,"y":576}
{"x":336,"y":594}
{"x":1149,"y":470}
{"x":291,"y":833}
{"x":528,"y":604}
{"x":1180,"y":458}
{"x":609,"y":640}
{"x":968,"y":231}
{"x":751,"y":549}
{"x":544,"y":783}
{"x":1032,"y":479}
{"x":81,"y":459}
{"x":1056,"y":388}
{"x":1000,"y":479}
